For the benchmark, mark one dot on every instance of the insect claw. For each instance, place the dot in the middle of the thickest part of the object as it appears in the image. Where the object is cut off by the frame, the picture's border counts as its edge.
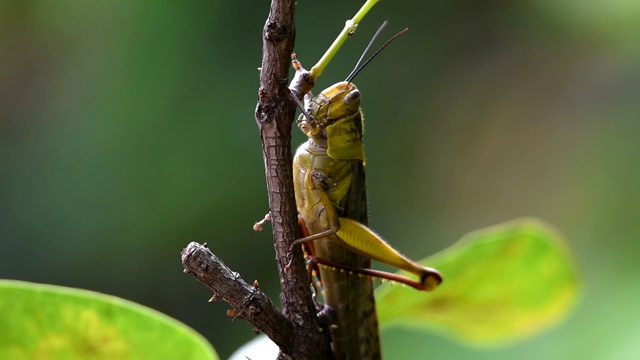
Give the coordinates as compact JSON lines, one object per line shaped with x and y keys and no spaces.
{"x":287,"y":267}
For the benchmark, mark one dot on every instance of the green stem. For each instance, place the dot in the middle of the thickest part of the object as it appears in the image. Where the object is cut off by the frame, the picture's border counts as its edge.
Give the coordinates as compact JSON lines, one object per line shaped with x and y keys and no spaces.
{"x":349,"y":28}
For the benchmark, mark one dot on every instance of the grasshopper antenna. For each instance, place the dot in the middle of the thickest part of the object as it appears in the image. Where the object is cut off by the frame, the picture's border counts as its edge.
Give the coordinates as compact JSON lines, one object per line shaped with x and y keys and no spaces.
{"x":375,"y":36}
{"x":359,"y":67}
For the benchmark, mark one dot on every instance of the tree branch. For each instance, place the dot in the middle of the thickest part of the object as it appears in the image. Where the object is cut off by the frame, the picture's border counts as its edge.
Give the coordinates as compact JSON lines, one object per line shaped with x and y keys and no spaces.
{"x":296,"y":331}
{"x":274,"y":115}
{"x":251,"y":304}
{"x":247,"y":301}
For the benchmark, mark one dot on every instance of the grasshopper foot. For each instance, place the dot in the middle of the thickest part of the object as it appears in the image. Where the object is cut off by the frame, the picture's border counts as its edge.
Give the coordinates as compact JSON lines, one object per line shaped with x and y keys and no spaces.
{"x":327,"y":316}
{"x":288,"y":266}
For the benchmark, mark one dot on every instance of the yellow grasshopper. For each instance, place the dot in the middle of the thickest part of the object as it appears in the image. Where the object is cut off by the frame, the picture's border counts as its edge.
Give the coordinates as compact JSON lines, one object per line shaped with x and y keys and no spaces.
{"x":331,"y":199}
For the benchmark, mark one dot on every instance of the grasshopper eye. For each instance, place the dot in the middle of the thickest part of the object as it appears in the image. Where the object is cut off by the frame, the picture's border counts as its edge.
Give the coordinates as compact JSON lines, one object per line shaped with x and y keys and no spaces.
{"x":352,"y":97}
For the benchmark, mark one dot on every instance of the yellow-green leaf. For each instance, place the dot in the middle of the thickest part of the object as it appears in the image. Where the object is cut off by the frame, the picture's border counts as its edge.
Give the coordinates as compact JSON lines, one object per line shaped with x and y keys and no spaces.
{"x":501,"y":284}
{"x":53,"y":322}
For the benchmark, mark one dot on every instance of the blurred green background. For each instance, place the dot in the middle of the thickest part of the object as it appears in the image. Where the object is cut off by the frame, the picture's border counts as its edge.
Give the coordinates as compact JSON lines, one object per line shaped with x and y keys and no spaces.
{"x":127,"y":130}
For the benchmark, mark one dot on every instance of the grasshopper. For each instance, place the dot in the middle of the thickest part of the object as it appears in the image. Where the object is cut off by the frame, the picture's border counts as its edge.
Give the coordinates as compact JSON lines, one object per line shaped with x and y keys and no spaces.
{"x":331,"y":199}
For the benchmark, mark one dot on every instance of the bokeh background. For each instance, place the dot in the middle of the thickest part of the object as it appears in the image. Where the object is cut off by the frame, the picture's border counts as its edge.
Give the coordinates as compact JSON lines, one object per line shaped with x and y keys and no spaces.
{"x":127,"y":130}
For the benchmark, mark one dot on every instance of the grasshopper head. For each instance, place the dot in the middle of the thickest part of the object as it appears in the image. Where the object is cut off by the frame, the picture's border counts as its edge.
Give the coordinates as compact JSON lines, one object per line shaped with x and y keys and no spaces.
{"x":342,"y":120}
{"x":336,"y":121}
{"x":336,"y":102}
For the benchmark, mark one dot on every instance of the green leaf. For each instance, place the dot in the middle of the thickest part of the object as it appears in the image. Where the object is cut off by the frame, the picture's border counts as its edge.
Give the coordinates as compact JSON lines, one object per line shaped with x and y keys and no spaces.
{"x":53,"y":322}
{"x":501,"y":284}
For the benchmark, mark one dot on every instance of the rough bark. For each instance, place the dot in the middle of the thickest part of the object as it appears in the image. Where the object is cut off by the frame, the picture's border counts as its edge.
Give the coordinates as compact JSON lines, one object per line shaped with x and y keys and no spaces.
{"x":249,"y":303}
{"x":274,"y":116}
{"x":296,"y":330}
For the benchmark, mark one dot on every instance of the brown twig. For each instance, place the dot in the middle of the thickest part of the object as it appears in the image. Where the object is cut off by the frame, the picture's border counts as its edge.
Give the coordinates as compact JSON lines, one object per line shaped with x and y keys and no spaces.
{"x":274,"y":115}
{"x":247,"y":301}
{"x":296,"y":329}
